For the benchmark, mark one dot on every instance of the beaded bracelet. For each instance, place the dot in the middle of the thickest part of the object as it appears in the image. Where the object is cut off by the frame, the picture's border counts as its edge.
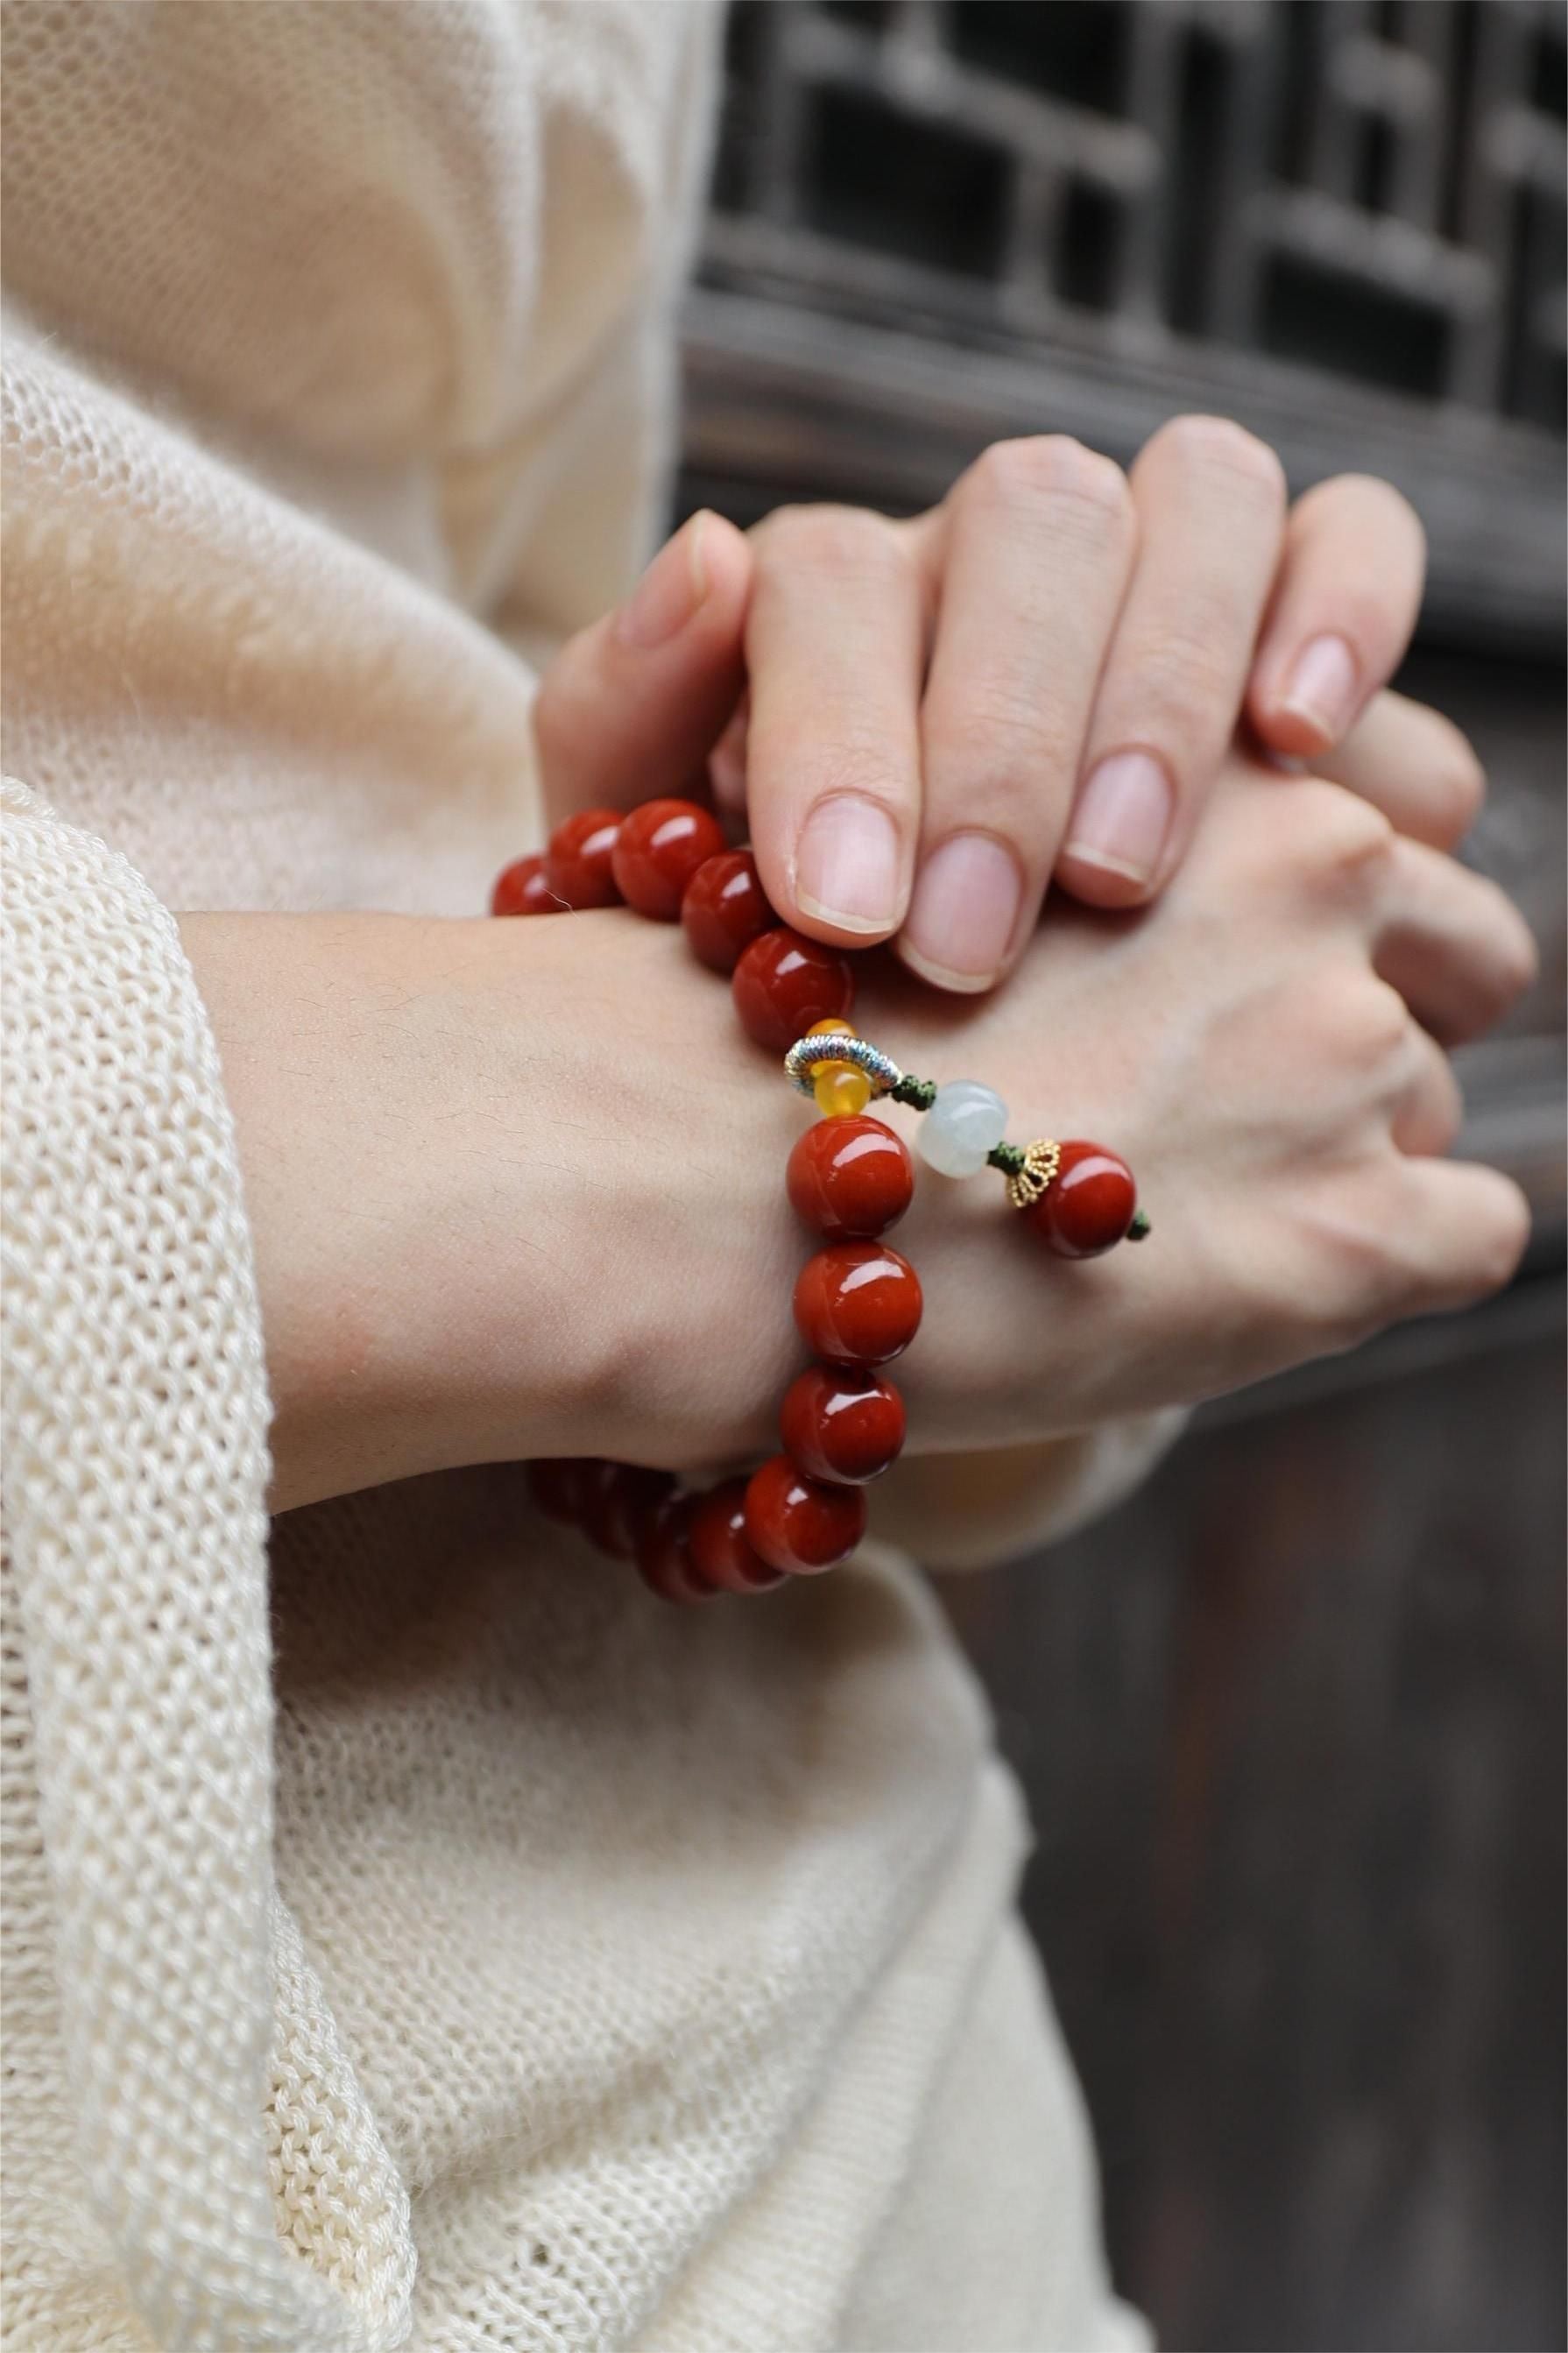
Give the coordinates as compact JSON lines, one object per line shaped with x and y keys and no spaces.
{"x":857,"y":1302}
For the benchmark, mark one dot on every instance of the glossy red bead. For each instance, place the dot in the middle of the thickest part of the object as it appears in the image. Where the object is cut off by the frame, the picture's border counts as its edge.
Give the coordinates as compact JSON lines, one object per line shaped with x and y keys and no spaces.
{"x":858,"y":1303}
{"x":521,"y":889}
{"x":851,"y":1177}
{"x":725,"y":909}
{"x":615,"y":1497}
{"x":578,"y":863}
{"x":842,"y":1426}
{"x":556,"y":1484}
{"x":799,"y":1525}
{"x":663,"y":1555}
{"x":785,"y":985}
{"x":718,"y":1544}
{"x":658,"y":850}
{"x":1088,"y":1204}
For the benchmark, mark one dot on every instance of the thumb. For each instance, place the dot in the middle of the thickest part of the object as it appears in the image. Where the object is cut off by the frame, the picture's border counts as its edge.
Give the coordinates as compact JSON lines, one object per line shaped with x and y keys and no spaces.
{"x":632,"y":706}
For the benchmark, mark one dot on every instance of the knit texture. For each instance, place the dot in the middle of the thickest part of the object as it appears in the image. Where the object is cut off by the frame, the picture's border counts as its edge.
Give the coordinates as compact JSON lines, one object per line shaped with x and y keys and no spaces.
{"x":413,"y":1933}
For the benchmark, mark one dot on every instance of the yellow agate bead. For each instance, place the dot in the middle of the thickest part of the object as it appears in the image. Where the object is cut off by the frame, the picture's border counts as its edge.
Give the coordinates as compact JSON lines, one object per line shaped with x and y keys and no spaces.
{"x":841,"y":1089}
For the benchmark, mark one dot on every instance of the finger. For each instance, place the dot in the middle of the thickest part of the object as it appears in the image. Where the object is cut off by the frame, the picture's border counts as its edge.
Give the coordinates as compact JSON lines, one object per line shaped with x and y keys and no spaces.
{"x":1461,"y":1232}
{"x":1415,"y":765}
{"x":1038,"y":547}
{"x":1430,"y":1110}
{"x":1343,"y":609}
{"x":834,"y":648}
{"x":631,"y":707}
{"x":1211,"y":513}
{"x":1457,"y":950}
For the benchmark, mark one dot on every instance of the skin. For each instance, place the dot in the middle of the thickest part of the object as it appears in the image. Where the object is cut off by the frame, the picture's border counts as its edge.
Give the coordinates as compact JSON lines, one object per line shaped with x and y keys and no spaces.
{"x":928,"y":721}
{"x":504,"y":1205}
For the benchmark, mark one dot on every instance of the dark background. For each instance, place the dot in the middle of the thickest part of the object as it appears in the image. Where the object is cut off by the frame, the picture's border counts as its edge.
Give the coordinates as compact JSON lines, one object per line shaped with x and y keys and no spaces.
{"x":1292,"y":1721}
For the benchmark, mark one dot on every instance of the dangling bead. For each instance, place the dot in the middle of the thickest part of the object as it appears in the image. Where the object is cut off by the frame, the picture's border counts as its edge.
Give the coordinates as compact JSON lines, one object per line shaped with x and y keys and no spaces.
{"x":966,"y":1121}
{"x":1089,"y":1204}
{"x":842,"y":1090}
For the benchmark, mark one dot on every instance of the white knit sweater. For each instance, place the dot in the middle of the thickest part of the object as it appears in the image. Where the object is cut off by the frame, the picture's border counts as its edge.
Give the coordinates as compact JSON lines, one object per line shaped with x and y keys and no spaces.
{"x":413,"y":1934}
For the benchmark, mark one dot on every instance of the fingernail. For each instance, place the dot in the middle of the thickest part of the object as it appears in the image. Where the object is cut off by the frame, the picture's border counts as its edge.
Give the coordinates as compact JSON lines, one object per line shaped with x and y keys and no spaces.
{"x":847,"y":866}
{"x":669,"y":592}
{"x":961,"y":917}
{"x":1123,"y":817}
{"x":1323,"y":688}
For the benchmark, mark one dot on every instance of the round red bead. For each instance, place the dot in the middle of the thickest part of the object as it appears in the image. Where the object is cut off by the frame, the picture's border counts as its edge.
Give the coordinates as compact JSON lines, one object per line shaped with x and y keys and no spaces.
{"x":785,"y":985}
{"x":557,"y":1484}
{"x":844,"y":1427}
{"x":577,"y":864}
{"x":522,"y":889}
{"x":719,"y":1545}
{"x":724,"y":908}
{"x":797,"y":1523}
{"x":616,"y":1497}
{"x":850,"y":1176}
{"x":858,"y":1303}
{"x":663,"y":1555}
{"x":658,"y":850}
{"x":1088,"y":1206}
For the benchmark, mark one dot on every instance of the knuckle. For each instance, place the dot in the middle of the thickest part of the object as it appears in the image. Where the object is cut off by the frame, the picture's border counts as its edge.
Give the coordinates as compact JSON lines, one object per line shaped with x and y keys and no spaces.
{"x":1186,"y":691}
{"x":1054,"y":468}
{"x":1343,"y":839}
{"x":829,"y":538}
{"x":1219,"y":443}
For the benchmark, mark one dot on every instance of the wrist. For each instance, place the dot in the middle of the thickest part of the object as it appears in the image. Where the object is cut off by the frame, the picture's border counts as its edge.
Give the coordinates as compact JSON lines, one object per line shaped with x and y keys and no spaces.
{"x":506,"y":1193}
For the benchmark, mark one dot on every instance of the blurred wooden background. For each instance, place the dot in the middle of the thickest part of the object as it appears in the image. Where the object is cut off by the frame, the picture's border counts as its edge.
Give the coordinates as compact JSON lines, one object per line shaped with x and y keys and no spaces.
{"x":1293,"y":1722}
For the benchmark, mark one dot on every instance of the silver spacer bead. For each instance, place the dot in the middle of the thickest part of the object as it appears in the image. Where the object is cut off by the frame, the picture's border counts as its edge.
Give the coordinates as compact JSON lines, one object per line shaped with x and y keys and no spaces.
{"x":880,"y":1069}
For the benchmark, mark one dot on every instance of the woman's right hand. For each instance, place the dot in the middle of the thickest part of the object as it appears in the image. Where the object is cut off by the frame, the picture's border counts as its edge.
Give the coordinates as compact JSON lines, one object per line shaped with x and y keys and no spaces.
{"x":517,"y":1187}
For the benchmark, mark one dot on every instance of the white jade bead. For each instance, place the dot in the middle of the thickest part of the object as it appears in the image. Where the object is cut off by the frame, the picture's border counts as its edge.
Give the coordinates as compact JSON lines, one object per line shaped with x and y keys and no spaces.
{"x":965,"y":1123}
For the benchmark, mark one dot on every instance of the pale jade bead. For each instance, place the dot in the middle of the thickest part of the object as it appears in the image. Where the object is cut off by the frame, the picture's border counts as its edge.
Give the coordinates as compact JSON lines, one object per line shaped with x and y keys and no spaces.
{"x":966,"y":1121}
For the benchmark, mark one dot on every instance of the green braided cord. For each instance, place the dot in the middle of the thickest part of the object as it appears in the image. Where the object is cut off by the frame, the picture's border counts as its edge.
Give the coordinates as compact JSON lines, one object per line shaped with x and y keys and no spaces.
{"x":1140,"y":1227}
{"x":919,"y":1093}
{"x":1008,"y":1157}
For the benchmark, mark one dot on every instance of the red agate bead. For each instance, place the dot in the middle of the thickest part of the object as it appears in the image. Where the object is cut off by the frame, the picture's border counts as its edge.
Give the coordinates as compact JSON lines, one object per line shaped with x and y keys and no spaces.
{"x":521,"y":889}
{"x":842,"y":1426}
{"x":615,"y":1497}
{"x":1088,"y":1206}
{"x":664,"y":1555}
{"x":785,"y":985}
{"x":718,"y":1544}
{"x":658,"y":850}
{"x":799,"y":1525}
{"x":556,"y":1484}
{"x":858,"y":1303}
{"x":850,"y":1176}
{"x":724,"y":910}
{"x":577,"y":864}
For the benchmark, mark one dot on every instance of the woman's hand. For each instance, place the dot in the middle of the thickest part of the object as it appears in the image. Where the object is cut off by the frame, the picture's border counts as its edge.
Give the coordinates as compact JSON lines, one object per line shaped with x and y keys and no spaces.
{"x":517,"y":1187}
{"x":1038,"y":678}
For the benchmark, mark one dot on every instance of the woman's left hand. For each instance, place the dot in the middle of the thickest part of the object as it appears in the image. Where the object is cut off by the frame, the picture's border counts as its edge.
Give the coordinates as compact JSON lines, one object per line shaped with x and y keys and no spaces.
{"x":929,"y":721}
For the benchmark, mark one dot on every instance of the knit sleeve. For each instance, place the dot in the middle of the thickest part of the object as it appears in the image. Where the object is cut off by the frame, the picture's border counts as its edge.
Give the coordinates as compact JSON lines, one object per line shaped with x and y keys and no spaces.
{"x":152,"y":2185}
{"x":970,"y":1511}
